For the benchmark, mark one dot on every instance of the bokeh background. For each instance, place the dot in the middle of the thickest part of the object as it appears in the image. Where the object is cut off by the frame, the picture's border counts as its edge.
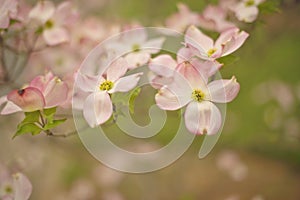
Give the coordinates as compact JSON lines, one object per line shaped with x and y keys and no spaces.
{"x":256,"y":158}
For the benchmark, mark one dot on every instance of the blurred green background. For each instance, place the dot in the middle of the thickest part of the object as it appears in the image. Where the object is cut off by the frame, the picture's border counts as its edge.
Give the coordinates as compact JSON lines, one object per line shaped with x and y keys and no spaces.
{"x":256,"y":158}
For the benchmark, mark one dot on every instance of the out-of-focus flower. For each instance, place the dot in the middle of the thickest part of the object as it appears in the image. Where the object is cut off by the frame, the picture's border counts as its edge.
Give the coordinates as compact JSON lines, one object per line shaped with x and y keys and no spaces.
{"x":14,"y":186}
{"x":201,"y":115}
{"x":214,"y":18}
{"x":43,"y":92}
{"x":184,"y":18}
{"x":137,"y":47}
{"x":205,"y":48}
{"x":8,"y":10}
{"x":97,"y":107}
{"x":107,"y":177}
{"x":53,"y":21}
{"x":230,"y":162}
{"x":247,"y":10}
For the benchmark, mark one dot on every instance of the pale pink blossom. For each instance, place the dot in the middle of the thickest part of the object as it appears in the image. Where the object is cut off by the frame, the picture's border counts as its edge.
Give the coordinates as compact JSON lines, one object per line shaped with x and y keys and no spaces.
{"x":14,"y":186}
{"x":214,"y":18}
{"x":137,"y":47}
{"x":53,"y":21}
{"x":98,"y":107}
{"x":189,"y":88}
{"x":42,"y":92}
{"x":247,"y":10}
{"x":164,"y":67}
{"x":184,"y":18}
{"x":8,"y":10}
{"x":204,"y":47}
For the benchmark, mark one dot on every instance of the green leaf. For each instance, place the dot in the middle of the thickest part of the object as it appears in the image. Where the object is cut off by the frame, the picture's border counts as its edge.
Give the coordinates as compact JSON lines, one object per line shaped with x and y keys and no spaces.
{"x":228,"y":60}
{"x":269,"y":7}
{"x":54,"y":123}
{"x":50,"y":111}
{"x":28,"y":128}
{"x":49,"y":114}
{"x":30,"y":117}
{"x":133,"y":96}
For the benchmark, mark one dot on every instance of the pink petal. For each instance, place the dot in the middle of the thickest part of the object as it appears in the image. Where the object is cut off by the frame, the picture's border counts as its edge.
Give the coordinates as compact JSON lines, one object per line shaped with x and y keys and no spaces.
{"x":10,"y":108}
{"x":117,"y":69}
{"x":246,"y":14}
{"x":175,"y":95}
{"x":55,"y":36}
{"x":236,"y":42}
{"x":56,"y":93}
{"x":153,"y":46}
{"x":43,"y":11}
{"x":163,"y":65}
{"x":194,"y":37}
{"x":168,"y":100}
{"x":97,"y":108}
{"x":226,"y":36}
{"x":202,"y":118}
{"x":223,"y":91}
{"x":28,"y":99}
{"x":159,"y":81}
{"x":192,"y":75}
{"x":137,"y":59}
{"x":206,"y":68}
{"x":22,"y":186}
{"x":87,"y":83}
{"x":65,"y":14}
{"x":184,"y":54}
{"x":40,"y":82}
{"x":126,"y":83}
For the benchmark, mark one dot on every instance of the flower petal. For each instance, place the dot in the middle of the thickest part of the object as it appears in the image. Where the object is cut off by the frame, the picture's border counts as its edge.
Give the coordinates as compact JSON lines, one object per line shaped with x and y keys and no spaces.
{"x":202,"y":118}
{"x":40,"y":82}
{"x":236,"y":42}
{"x":126,"y":83}
{"x":198,"y":40}
{"x":28,"y":99}
{"x":166,"y":99}
{"x":56,"y":93}
{"x":192,"y":75}
{"x":137,"y":59}
{"x":153,"y":46}
{"x":184,"y":54}
{"x":117,"y":69}
{"x":163,"y":65}
{"x":22,"y":187}
{"x":97,"y":108}
{"x":223,"y":91}
{"x":87,"y":83}
{"x":55,"y":36}
{"x":43,"y":11}
{"x":10,"y":108}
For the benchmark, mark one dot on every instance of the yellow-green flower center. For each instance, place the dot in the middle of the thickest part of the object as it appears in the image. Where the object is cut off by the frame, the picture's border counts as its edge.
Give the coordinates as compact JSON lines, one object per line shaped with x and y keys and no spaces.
{"x":211,"y":52}
{"x":198,"y":95}
{"x":8,"y":189}
{"x":136,"y":47}
{"x":49,"y":24}
{"x":249,"y":3}
{"x":106,"y":85}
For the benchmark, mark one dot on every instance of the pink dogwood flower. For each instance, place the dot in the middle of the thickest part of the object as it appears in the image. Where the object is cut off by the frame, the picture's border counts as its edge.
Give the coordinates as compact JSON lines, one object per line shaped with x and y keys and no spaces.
{"x":43,"y":92}
{"x":137,"y":47}
{"x":188,"y":88}
{"x":8,"y":10}
{"x":204,"y":47}
{"x":184,"y":18}
{"x":164,"y":66}
{"x":54,"y":21}
{"x":98,"y":107}
{"x":247,"y":10}
{"x":14,"y":186}
{"x":214,"y":18}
